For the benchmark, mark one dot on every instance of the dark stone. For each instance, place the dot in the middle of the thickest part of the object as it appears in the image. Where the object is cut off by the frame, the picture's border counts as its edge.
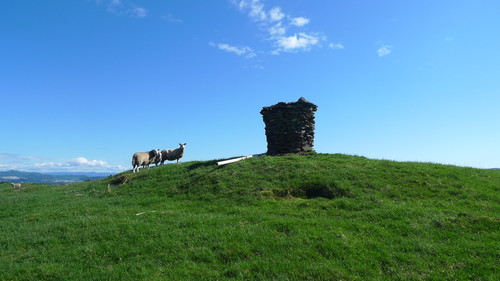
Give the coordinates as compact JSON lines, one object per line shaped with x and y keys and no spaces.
{"x":289,"y":127}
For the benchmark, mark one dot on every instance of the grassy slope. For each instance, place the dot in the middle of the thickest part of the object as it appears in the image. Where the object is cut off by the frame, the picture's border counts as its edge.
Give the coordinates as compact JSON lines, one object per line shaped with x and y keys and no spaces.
{"x":253,"y":220}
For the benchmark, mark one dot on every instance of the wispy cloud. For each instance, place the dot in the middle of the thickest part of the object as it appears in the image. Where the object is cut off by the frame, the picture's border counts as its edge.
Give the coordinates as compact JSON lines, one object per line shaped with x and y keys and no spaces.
{"x":16,"y":158}
{"x":114,"y":6}
{"x":285,"y":32}
{"x":275,"y":14}
{"x":300,"y":21}
{"x":171,"y":18}
{"x":336,"y":46}
{"x":255,"y":9}
{"x":240,"y":51}
{"x":277,"y":30}
{"x":384,"y":50}
{"x":139,"y":12}
{"x":297,"y":42}
{"x":120,"y":7}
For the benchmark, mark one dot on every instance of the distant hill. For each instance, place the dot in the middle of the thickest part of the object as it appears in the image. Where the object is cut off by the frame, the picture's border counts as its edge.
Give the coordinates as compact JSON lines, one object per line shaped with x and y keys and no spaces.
{"x":88,"y":174}
{"x":49,"y":178}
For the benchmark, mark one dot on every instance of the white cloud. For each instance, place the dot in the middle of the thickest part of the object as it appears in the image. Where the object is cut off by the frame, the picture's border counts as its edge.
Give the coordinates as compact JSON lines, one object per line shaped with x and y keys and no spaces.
{"x":139,"y":12}
{"x":276,"y":14}
{"x":300,"y":21}
{"x":79,"y":162}
{"x":336,"y":46}
{"x":240,"y":51}
{"x":82,"y":161}
{"x":6,"y":167}
{"x":280,"y":28}
{"x":256,"y":9}
{"x":277,"y":30}
{"x":384,"y":50}
{"x":301,"y":41}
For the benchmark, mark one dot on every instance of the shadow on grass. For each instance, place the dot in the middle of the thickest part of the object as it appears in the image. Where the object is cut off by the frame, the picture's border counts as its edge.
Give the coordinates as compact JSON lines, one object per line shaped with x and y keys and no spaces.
{"x":313,"y":191}
{"x":201,"y":165}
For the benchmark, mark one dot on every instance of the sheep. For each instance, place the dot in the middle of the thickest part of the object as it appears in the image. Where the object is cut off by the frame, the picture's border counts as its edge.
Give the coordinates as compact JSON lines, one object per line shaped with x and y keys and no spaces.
{"x":18,"y":185}
{"x":144,"y":159}
{"x":173,"y":154}
{"x":156,"y":161}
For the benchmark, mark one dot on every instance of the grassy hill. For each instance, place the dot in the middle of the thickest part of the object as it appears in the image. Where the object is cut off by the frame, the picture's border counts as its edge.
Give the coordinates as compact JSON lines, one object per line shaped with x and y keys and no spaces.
{"x":311,"y":217}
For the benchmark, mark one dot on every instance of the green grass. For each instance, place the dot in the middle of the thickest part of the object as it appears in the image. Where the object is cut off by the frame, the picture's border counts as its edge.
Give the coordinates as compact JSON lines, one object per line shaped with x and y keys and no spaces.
{"x":311,"y":217}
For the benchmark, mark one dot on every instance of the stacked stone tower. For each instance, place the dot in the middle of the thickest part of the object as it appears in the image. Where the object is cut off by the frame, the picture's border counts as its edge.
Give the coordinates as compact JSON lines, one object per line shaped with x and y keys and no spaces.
{"x":289,"y":127}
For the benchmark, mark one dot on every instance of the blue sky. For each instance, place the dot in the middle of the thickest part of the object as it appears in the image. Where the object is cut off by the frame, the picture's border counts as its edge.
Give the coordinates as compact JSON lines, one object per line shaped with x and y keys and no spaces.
{"x":86,"y":83}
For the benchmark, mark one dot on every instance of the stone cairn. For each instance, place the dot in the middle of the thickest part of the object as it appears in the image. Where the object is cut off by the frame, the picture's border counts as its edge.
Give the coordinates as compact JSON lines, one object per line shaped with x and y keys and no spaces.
{"x":289,"y":127}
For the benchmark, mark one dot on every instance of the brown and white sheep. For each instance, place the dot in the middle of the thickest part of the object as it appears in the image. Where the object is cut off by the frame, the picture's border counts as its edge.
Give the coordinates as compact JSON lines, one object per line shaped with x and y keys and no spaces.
{"x":173,"y":154}
{"x":145,"y":159}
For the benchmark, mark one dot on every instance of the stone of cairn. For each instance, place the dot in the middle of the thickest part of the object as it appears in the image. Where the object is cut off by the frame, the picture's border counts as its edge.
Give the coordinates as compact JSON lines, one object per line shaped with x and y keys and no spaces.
{"x":289,"y":127}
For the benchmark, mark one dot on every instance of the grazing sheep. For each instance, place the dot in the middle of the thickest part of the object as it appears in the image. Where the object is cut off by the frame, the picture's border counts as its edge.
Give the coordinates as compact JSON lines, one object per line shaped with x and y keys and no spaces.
{"x":173,"y":154}
{"x":18,"y":185}
{"x":144,"y":159}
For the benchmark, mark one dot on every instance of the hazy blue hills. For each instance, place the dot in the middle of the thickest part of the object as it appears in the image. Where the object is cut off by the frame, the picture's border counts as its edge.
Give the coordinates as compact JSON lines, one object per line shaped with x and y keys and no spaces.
{"x":49,"y":178}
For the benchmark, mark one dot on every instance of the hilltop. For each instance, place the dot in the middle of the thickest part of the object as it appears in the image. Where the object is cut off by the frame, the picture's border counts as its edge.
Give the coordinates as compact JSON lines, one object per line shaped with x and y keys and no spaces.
{"x":297,"y":176}
{"x":309,"y":217}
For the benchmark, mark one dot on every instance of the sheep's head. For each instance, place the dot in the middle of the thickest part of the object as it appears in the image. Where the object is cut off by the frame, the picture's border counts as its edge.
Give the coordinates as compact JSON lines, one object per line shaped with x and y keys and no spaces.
{"x":182,"y":145}
{"x":154,"y":153}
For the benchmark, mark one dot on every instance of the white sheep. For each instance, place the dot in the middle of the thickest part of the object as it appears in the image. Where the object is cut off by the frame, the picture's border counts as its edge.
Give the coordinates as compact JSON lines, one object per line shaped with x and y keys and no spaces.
{"x":18,"y":185}
{"x":173,"y":154}
{"x":145,"y":159}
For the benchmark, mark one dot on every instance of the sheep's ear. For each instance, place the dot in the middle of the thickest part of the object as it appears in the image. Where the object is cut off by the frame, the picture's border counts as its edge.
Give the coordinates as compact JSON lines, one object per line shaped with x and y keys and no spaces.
{"x":185,"y":143}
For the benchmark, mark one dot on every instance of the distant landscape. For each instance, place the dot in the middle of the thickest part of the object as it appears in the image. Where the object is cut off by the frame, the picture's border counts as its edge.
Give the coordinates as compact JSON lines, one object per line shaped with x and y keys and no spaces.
{"x":50,"y":178}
